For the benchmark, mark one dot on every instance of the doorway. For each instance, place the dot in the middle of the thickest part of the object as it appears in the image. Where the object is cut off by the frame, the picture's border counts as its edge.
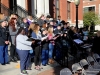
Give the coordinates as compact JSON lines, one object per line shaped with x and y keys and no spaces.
{"x":29,"y":5}
{"x":13,"y":5}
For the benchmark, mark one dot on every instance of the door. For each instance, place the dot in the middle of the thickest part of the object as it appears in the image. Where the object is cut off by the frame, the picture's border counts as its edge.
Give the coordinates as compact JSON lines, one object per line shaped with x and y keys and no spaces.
{"x":13,"y":5}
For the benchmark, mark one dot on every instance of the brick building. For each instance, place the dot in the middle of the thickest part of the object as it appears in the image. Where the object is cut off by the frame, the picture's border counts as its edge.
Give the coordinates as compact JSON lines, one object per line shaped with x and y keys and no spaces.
{"x":65,"y":8}
{"x":91,"y":5}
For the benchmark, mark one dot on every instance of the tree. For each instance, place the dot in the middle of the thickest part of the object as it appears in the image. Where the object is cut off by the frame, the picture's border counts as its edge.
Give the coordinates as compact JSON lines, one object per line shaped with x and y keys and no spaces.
{"x":90,"y":18}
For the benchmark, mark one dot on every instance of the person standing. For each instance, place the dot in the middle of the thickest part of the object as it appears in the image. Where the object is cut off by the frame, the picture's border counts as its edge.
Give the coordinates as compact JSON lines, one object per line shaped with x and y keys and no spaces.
{"x":45,"y":48}
{"x":37,"y":47}
{"x":51,"y":44}
{"x":4,"y":41}
{"x":23,"y":47}
{"x":25,"y":25}
{"x":40,"y":20}
{"x":96,"y":44}
{"x":13,"y":31}
{"x":59,"y":20}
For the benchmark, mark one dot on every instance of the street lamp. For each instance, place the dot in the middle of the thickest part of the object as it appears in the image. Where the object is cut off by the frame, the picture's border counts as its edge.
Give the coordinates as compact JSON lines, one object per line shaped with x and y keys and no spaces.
{"x":77,"y":2}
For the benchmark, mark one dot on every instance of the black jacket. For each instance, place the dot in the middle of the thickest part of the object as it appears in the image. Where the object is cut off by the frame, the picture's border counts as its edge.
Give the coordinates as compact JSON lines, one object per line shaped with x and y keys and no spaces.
{"x":57,"y":31}
{"x":40,"y":22}
{"x":24,"y":25}
{"x":96,"y":45}
{"x":4,"y":36}
{"x":44,"y":44}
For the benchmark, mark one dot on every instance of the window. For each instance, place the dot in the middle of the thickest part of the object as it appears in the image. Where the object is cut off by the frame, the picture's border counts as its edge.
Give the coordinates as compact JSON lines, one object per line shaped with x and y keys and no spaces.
{"x":87,"y":9}
{"x":68,"y":10}
{"x":57,"y":8}
{"x":91,"y":8}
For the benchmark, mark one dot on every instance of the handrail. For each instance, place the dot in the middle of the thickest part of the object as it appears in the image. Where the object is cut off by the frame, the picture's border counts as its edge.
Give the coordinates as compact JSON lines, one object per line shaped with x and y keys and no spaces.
{"x":19,"y":10}
{"x":7,"y":11}
{"x":24,"y":12}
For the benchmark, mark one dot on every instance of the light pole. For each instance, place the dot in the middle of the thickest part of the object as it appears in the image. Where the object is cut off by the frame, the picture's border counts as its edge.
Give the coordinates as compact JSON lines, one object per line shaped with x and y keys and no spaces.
{"x":77,"y":2}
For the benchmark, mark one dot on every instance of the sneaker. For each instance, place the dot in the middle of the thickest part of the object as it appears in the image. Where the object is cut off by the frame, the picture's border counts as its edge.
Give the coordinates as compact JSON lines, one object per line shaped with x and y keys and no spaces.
{"x":24,"y":72}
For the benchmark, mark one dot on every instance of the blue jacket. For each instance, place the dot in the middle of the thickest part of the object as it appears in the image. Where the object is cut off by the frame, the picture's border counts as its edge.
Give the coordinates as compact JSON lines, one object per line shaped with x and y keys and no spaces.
{"x":34,"y":35}
{"x":37,"y":37}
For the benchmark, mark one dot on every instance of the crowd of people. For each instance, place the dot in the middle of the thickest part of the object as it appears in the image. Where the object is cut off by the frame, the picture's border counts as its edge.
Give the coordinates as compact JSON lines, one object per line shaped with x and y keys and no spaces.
{"x":30,"y":41}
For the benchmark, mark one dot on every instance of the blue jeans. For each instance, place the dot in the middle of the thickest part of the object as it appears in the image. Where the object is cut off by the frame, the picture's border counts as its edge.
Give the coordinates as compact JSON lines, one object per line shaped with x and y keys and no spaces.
{"x":3,"y":54}
{"x":44,"y":57}
{"x":24,"y":59}
{"x":51,"y":47}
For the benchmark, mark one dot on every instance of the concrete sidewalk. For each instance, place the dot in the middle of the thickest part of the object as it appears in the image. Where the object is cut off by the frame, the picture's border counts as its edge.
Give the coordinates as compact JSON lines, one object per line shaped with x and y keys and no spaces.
{"x":11,"y":69}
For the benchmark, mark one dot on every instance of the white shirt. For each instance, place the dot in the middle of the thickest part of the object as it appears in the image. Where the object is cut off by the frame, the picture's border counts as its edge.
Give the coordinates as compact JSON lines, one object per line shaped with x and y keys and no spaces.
{"x":22,"y":44}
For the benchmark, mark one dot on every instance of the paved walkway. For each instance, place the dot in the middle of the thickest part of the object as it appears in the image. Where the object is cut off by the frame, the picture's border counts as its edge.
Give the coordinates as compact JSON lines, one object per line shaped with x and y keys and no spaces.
{"x":12,"y":69}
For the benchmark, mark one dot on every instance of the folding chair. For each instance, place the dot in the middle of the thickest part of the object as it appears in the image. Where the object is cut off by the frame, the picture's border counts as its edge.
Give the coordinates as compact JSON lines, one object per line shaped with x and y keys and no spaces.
{"x":90,"y":59}
{"x":90,"y":70}
{"x":76,"y":67}
{"x":96,"y":58}
{"x":96,"y":66}
{"x":65,"y":71}
{"x":83,"y":62}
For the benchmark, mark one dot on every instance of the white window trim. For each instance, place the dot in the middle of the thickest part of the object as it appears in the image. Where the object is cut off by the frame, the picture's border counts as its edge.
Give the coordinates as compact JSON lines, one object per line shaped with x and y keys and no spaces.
{"x":70,"y":0}
{"x":99,"y":9}
{"x":90,"y":6}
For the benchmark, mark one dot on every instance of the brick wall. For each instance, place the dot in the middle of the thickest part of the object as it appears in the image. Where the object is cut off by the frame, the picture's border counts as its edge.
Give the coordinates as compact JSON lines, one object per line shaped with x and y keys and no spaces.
{"x":63,"y":9}
{"x":5,"y":2}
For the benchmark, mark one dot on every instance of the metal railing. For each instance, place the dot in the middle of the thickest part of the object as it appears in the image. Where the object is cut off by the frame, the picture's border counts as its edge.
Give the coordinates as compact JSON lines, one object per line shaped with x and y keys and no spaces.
{"x":23,"y":12}
{"x":7,"y":11}
{"x":17,"y":9}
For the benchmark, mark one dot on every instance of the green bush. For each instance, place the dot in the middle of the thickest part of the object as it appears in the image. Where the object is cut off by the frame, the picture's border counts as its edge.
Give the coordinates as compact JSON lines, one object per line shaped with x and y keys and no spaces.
{"x":90,"y":18}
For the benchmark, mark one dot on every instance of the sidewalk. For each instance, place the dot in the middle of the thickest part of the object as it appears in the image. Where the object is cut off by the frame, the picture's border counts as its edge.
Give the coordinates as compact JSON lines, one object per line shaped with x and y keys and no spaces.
{"x":55,"y":70}
{"x":10,"y":69}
